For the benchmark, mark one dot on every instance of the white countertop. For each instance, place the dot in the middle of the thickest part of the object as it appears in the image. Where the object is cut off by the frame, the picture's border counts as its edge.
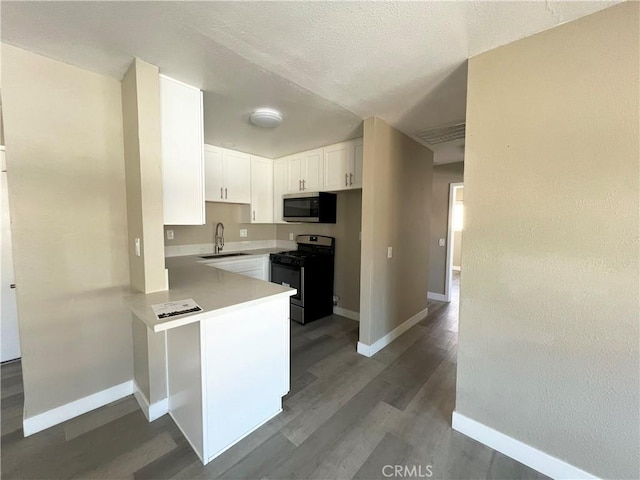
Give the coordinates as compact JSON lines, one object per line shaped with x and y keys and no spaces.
{"x":216,"y":291}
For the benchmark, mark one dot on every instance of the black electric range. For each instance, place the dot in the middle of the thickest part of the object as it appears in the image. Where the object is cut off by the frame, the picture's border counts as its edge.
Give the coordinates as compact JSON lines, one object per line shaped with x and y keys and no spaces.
{"x":309,"y":269}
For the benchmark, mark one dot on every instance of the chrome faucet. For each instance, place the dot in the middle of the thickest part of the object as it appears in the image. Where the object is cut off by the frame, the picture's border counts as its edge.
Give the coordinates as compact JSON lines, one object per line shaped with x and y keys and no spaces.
{"x":218,"y":241}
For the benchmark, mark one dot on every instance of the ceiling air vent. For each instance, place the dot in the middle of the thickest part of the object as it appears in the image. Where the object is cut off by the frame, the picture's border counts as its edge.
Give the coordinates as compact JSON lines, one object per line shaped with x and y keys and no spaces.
{"x":434,"y":136}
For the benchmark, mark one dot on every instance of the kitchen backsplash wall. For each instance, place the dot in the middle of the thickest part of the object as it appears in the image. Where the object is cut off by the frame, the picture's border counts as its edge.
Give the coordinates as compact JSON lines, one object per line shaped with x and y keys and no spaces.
{"x":346,"y":231}
{"x":227,"y":213}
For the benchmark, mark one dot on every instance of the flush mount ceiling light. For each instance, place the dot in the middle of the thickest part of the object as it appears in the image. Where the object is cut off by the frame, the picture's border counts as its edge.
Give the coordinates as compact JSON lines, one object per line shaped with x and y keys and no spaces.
{"x":266,"y":118}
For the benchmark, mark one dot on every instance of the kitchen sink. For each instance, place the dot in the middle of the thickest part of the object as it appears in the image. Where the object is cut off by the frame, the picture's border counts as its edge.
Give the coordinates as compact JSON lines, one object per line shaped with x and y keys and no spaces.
{"x":223,"y":255}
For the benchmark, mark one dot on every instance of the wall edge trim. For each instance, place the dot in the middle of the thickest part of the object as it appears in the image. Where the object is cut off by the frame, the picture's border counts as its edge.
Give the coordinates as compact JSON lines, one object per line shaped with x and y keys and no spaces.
{"x":523,"y":453}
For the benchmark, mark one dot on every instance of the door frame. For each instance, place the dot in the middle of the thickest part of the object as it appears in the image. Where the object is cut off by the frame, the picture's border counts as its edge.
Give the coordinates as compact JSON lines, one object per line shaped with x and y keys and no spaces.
{"x":449,"y":263}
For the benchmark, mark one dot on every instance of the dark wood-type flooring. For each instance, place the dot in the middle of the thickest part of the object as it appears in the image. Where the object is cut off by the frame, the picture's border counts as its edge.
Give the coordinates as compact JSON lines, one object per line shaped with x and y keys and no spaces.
{"x":346,"y":417}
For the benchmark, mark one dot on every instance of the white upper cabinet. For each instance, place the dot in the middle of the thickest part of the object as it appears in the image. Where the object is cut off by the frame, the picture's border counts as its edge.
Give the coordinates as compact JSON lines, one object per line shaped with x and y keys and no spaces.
{"x":181,"y":123}
{"x":305,"y":171}
{"x":279,"y":188}
{"x":343,"y":165}
{"x":358,"y":150}
{"x":337,"y":159}
{"x":312,"y":163}
{"x":237,"y":174}
{"x":227,"y":175}
{"x":261,"y":190}
{"x":213,"y":174}
{"x":294,"y":173}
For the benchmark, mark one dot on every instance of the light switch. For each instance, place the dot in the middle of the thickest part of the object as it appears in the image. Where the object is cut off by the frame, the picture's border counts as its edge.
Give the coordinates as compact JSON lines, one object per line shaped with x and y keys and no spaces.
{"x":243,"y":232}
{"x":169,"y":234}
{"x":290,"y":235}
{"x":137,"y":242}
{"x":389,"y":252}
{"x":441,"y":242}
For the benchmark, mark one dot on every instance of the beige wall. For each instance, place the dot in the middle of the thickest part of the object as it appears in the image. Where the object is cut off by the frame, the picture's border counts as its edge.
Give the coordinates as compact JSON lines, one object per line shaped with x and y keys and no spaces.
{"x":63,"y":128}
{"x":443,"y":175}
{"x":346,"y":231}
{"x":143,"y":166}
{"x":548,"y":345}
{"x":227,"y":213}
{"x":396,"y":210}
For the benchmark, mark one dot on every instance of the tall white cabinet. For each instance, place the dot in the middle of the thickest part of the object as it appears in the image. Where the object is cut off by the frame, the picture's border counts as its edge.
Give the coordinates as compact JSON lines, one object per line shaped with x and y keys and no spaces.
{"x":181,"y":123}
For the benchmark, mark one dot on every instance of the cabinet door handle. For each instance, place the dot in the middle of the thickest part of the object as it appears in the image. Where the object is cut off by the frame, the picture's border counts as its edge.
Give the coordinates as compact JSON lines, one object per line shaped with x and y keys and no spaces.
{"x":300,"y":185}
{"x":225,"y":193}
{"x":254,"y":215}
{"x":13,"y":285}
{"x":304,"y":184}
{"x":221,"y":197}
{"x":346,"y":180}
{"x":351,"y":179}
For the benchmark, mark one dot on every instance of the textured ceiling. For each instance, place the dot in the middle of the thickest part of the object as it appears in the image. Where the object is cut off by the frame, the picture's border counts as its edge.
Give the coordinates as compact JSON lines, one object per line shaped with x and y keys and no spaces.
{"x":325,"y":65}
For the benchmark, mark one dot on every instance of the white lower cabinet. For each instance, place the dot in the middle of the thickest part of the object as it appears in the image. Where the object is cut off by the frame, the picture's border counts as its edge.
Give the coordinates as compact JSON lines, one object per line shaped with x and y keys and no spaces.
{"x":247,"y":373}
{"x":254,"y":267}
{"x":227,"y":375}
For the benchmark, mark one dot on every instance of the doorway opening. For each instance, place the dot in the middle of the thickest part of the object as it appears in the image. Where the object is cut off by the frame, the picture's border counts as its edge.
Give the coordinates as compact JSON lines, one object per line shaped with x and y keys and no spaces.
{"x":455,"y":226}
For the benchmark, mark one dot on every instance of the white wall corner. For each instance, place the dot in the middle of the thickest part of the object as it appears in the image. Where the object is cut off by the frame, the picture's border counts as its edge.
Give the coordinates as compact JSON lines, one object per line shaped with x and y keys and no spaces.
{"x":532,"y":457}
{"x":370,"y":350}
{"x":439,"y":297}
{"x":151,"y":411}
{"x":55,"y":416}
{"x":347,"y":313}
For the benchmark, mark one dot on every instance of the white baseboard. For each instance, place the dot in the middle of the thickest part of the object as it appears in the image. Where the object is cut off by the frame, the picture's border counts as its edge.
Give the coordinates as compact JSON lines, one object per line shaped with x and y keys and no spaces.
{"x":436,"y":296}
{"x":370,"y":350}
{"x":532,"y":457}
{"x":455,"y":269}
{"x":153,"y":411}
{"x":347,"y":313}
{"x":57,"y":415}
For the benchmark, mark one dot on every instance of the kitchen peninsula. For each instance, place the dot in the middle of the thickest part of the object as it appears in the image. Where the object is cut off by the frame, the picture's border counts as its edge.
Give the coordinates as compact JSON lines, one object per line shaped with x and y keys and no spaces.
{"x":224,"y":370}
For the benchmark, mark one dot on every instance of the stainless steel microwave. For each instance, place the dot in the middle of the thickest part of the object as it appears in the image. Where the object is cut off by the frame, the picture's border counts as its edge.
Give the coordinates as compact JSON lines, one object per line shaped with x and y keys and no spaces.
{"x":313,"y":207}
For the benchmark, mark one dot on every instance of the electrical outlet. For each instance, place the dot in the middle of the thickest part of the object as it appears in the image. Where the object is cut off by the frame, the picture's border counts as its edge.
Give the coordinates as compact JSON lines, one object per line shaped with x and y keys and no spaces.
{"x":441,"y":242}
{"x":137,"y":244}
{"x":243,"y":232}
{"x":389,"y":252}
{"x":290,"y":235}
{"x":335,"y":300}
{"x":169,"y":234}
